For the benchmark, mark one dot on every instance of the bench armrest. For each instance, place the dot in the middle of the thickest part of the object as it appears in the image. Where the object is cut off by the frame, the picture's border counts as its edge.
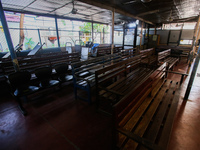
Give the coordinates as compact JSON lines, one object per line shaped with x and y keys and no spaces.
{"x":179,"y":73}
{"x":81,"y":78}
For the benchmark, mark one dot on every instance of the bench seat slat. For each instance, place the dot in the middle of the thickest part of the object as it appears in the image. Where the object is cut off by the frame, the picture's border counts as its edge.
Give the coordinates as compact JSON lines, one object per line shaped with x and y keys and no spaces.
{"x":164,"y":139}
{"x":140,"y":130}
{"x":157,"y":123}
{"x":136,"y":116}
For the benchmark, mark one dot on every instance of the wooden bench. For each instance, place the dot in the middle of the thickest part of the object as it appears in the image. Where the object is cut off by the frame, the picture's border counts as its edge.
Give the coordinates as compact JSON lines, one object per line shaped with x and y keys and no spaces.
{"x":116,"y":81}
{"x":84,"y":73}
{"x":31,"y":64}
{"x":101,"y":51}
{"x":165,"y":56}
{"x":148,"y":56}
{"x":128,"y":53}
{"x":117,"y":49}
{"x":177,"y":51}
{"x":144,"y":119}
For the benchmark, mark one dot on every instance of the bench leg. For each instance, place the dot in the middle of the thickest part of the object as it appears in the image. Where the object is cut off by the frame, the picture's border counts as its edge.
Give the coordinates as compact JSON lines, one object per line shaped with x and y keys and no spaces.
{"x":22,"y":109}
{"x":75,"y":92}
{"x":89,"y":95}
{"x":182,"y":77}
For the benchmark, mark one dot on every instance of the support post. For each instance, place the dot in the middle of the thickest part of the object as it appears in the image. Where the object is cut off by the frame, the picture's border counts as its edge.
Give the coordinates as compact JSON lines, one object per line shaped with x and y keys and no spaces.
{"x":123,"y":35}
{"x":103,"y":35}
{"x":141,"y":35}
{"x":79,"y":36}
{"x":195,"y":35}
{"x":57,"y":31}
{"x":113,"y":21}
{"x":148,"y":37}
{"x":135,"y":37}
{"x":179,"y":39}
{"x":39,"y":37}
{"x":194,"y":70}
{"x":92,"y":33}
{"x":8,"y":39}
{"x":168,"y":37}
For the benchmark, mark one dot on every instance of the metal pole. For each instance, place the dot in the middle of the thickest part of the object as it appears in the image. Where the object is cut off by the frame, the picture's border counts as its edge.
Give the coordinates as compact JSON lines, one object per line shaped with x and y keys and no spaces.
{"x":135,"y":37}
{"x":195,"y":35}
{"x":179,"y":39}
{"x":103,"y":35}
{"x":145,"y":31}
{"x":141,"y":35}
{"x":168,"y":37}
{"x":57,"y":31}
{"x":196,"y":63}
{"x":8,"y":39}
{"x":155,"y":31}
{"x":92,"y":33}
{"x":113,"y":21}
{"x":148,"y":37}
{"x":39,"y":37}
{"x":79,"y":37}
{"x":123,"y":35}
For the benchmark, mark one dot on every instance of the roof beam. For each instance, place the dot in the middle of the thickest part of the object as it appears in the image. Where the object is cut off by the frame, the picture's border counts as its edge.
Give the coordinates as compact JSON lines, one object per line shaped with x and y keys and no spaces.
{"x":148,"y":12}
{"x":117,"y":10}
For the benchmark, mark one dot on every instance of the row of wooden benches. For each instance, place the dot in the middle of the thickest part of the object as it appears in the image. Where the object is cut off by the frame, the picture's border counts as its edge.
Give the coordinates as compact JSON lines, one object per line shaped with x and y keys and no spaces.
{"x":143,"y":103}
{"x":33,"y":63}
{"x":136,"y":93}
{"x":84,"y":72}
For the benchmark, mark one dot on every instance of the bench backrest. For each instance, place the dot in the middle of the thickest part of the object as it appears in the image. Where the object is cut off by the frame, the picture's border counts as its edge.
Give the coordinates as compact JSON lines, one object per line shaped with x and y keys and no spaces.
{"x":121,"y":110}
{"x":127,"y":53}
{"x":31,"y":64}
{"x":117,"y":49}
{"x":147,"y":52}
{"x":164,"y":54}
{"x":112,"y":71}
{"x":101,"y":51}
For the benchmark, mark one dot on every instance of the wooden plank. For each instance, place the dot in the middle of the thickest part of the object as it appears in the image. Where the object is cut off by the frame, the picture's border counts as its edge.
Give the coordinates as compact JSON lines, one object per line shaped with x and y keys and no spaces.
{"x":133,"y":116}
{"x":164,"y":139}
{"x":157,"y":122}
{"x":127,"y":100}
{"x":142,"y":126}
{"x":138,"y":139}
{"x":138,"y":114}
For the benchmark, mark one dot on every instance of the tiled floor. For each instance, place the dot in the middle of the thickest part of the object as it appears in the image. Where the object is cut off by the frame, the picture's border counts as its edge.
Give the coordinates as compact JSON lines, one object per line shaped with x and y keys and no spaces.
{"x":186,"y":131}
{"x":58,"y":122}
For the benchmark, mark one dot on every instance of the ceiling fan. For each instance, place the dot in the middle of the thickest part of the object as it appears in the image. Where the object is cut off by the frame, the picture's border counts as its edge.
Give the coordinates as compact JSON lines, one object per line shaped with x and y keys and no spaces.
{"x":170,"y":17}
{"x":74,"y":10}
{"x":136,"y":1}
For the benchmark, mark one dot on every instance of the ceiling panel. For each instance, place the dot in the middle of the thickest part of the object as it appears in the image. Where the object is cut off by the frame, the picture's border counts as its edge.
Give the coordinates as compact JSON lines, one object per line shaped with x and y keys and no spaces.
{"x":63,"y":10}
{"x":44,"y":5}
{"x":84,"y":4}
{"x":79,"y":16}
{"x":22,"y":3}
{"x":13,"y":6}
{"x":36,"y":10}
{"x":62,"y":2}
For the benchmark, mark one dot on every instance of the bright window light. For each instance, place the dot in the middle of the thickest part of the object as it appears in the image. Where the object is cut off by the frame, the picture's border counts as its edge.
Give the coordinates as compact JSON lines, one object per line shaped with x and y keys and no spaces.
{"x":132,"y":25}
